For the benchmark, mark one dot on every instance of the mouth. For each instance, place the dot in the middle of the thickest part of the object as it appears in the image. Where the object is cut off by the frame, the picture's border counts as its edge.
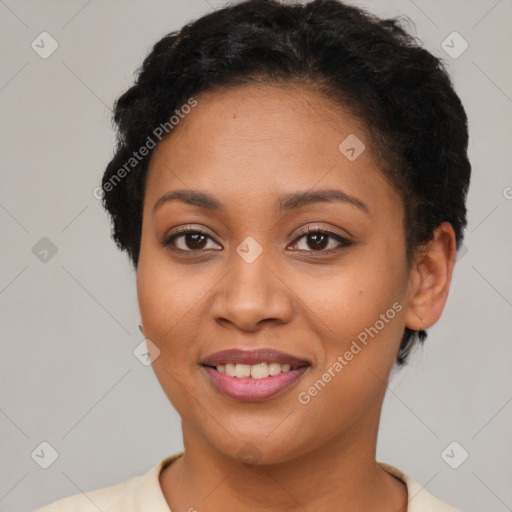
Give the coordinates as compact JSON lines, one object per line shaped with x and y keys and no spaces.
{"x":253,"y":375}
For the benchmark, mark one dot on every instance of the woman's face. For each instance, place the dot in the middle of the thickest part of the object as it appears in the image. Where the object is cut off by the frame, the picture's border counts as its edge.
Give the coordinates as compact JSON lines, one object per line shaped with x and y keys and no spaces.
{"x":250,"y":280}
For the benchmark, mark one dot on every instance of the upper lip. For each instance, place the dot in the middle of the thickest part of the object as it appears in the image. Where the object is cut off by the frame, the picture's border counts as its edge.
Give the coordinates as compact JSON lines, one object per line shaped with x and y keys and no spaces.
{"x":250,"y":357}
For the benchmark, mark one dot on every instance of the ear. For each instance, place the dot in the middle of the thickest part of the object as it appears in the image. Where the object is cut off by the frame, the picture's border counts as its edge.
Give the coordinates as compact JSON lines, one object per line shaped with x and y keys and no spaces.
{"x":430,"y":279}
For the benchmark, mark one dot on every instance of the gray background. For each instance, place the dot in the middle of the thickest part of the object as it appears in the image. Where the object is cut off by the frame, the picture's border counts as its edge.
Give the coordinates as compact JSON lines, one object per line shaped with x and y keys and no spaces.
{"x":69,"y":324}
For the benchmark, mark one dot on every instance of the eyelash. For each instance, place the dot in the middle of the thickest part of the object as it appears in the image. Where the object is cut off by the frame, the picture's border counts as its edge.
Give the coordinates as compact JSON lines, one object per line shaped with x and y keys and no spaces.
{"x":169,"y":240}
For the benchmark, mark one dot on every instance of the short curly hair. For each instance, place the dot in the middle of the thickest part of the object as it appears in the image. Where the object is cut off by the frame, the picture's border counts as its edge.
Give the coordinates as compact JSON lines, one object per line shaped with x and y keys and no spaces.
{"x":416,"y":124}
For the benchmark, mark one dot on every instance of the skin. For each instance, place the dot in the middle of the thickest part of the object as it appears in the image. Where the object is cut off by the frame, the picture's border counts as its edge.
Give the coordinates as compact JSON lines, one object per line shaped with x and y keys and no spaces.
{"x":248,"y":146}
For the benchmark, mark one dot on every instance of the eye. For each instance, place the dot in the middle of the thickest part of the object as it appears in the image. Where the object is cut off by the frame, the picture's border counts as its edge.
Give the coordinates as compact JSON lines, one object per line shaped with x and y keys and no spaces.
{"x":188,"y":239}
{"x":322,"y":241}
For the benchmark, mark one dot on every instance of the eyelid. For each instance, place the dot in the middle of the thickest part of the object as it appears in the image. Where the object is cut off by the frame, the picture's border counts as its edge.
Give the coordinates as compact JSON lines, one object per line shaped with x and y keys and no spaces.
{"x":343,"y":241}
{"x":315,"y":229}
{"x":168,"y":239}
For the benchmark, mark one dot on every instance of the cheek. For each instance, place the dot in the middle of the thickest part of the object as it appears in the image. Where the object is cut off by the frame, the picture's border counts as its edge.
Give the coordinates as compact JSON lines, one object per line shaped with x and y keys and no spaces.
{"x":358,"y":310}
{"x":365,"y":324}
{"x":167,"y":298}
{"x":167,"y":295}
{"x":349,"y":299}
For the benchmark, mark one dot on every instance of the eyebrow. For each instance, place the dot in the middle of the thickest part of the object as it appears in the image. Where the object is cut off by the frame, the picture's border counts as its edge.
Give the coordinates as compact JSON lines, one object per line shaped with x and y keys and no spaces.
{"x":298,"y":199}
{"x":288,"y":202}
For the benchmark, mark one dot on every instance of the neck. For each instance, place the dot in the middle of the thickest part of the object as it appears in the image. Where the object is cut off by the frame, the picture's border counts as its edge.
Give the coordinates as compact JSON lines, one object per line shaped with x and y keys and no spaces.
{"x":340,"y":475}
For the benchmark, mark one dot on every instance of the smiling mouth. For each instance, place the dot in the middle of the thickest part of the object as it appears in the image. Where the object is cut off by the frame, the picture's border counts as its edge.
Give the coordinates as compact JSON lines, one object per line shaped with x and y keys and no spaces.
{"x":253,"y":375}
{"x":255,"y":371}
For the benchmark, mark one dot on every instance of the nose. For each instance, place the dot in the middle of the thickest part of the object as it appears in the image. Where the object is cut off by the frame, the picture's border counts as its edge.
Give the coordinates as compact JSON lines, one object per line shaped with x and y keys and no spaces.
{"x":252,"y":295}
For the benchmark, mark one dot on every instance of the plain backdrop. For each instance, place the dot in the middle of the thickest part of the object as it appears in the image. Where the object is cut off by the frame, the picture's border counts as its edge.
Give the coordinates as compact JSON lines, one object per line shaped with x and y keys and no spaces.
{"x":69,"y":315}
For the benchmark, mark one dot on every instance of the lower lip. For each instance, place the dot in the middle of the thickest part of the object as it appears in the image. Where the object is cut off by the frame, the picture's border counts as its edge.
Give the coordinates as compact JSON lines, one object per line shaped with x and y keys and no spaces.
{"x":248,"y":389}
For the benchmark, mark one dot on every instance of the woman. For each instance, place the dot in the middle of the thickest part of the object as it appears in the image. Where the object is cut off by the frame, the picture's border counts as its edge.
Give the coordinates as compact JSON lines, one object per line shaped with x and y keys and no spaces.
{"x":289,"y":184}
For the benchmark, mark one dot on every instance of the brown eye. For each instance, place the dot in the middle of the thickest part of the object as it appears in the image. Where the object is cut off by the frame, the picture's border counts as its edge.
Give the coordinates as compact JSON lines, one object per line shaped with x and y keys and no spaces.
{"x":317,"y":240}
{"x":188,"y":240}
{"x":194,"y":241}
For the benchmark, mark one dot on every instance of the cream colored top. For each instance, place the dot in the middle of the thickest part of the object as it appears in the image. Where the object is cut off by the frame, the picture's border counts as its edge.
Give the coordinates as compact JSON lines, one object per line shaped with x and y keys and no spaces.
{"x":143,"y":493}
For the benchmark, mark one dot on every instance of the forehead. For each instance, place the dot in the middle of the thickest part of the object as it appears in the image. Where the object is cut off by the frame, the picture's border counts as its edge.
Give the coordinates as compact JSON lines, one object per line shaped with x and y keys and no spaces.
{"x":249,"y":117}
{"x":253,"y":140}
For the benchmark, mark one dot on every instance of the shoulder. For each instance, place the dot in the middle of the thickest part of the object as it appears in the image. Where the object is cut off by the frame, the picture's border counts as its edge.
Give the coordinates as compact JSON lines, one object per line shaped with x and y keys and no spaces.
{"x":419,"y":499}
{"x":134,"y":494}
{"x":110,"y":498}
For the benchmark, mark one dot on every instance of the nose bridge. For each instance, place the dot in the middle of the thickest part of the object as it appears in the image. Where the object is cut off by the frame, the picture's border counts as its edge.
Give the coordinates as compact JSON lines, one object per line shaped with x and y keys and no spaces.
{"x":251,"y":291}
{"x":250,"y":268}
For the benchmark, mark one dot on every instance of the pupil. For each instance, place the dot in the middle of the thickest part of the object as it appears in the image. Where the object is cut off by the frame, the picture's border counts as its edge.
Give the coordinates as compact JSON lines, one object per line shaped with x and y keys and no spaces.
{"x":195,"y":239}
{"x":320,"y":242}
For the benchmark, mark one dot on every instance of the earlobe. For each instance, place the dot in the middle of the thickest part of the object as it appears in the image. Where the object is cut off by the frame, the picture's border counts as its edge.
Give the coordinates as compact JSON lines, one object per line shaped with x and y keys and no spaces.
{"x":430,"y":279}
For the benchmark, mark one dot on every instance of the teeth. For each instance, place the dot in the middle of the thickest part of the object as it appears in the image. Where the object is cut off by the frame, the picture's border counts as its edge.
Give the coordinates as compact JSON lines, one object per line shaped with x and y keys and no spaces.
{"x":256,"y":371}
{"x":242,"y":370}
{"x":274,"y":369}
{"x":259,"y":371}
